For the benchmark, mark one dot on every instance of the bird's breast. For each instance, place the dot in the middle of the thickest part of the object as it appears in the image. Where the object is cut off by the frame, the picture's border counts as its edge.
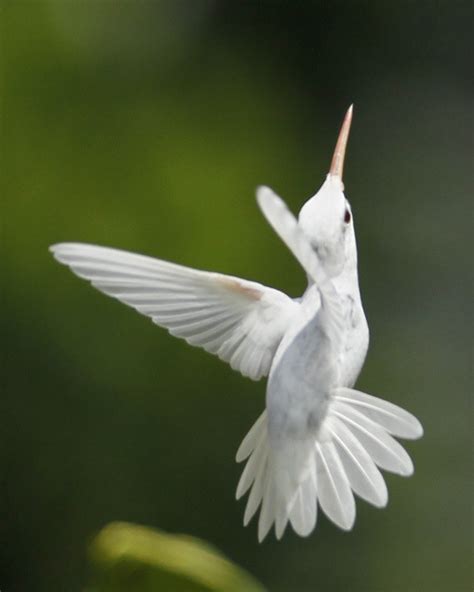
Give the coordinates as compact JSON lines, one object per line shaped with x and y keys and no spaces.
{"x":308,"y":366}
{"x":299,"y":384}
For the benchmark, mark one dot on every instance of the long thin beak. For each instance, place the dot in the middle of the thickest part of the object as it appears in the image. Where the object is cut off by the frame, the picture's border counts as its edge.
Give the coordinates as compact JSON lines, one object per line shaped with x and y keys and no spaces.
{"x":337,"y":164}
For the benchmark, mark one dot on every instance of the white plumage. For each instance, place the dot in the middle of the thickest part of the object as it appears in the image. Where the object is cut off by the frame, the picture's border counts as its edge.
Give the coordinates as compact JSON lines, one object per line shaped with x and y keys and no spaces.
{"x":318,"y":441}
{"x":242,"y":322}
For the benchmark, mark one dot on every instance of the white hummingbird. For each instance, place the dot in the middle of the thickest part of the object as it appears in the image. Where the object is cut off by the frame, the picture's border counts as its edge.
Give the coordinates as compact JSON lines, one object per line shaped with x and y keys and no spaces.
{"x":318,"y":441}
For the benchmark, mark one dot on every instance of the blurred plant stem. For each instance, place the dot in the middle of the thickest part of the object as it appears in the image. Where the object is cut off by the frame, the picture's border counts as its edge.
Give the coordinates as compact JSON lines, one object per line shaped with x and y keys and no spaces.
{"x":131,"y":558}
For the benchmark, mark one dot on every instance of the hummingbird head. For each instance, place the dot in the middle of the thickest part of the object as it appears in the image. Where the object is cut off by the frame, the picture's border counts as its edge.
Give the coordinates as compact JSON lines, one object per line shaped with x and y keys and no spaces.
{"x":326,"y":218}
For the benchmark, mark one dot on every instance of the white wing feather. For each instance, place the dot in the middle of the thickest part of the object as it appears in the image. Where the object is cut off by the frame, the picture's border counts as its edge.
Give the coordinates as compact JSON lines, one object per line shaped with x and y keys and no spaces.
{"x":286,"y":226}
{"x":242,"y":322}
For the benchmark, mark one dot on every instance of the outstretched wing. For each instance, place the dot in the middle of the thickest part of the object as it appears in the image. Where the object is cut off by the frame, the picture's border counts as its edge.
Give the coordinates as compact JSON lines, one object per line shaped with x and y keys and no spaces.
{"x":242,"y":322}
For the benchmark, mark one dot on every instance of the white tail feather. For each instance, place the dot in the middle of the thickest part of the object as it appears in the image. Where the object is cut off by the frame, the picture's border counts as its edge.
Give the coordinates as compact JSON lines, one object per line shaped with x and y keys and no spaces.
{"x":249,"y":443}
{"x":257,"y":458}
{"x":334,"y":491}
{"x":364,"y":477}
{"x":357,"y":437}
{"x":394,"y":419}
{"x":304,"y":511}
{"x":387,"y":453}
{"x":267,"y":512}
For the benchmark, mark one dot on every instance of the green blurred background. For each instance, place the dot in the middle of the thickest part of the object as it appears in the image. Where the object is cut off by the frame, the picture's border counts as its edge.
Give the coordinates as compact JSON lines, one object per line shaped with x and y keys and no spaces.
{"x":147,"y":126}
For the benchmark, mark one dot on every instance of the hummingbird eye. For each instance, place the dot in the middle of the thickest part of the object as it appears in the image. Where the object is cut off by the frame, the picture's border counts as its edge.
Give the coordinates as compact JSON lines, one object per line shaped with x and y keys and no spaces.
{"x":347,"y":217}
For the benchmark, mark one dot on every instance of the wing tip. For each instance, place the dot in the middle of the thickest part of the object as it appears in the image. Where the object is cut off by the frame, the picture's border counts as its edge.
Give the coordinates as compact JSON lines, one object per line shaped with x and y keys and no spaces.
{"x":262,"y":193}
{"x":61,"y":248}
{"x":262,"y":190}
{"x":55,"y":248}
{"x":58,"y":251}
{"x":266,"y":196}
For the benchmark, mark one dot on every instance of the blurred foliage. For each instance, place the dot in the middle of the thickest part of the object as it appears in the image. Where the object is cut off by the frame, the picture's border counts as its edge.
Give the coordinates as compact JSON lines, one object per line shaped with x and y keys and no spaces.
{"x":131,"y":558}
{"x":147,"y":126}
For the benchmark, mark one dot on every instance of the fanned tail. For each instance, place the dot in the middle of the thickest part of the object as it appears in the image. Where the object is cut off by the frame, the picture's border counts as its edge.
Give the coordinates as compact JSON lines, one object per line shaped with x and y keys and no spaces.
{"x":355,"y":438}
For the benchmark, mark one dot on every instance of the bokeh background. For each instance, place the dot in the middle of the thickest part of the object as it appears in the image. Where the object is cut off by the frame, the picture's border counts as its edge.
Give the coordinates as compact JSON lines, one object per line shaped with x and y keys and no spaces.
{"x":147,"y":126}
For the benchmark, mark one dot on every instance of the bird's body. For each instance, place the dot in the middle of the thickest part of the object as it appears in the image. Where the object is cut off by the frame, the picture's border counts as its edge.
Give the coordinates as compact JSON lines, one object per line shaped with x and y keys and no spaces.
{"x":317,"y":441}
{"x":307,"y":364}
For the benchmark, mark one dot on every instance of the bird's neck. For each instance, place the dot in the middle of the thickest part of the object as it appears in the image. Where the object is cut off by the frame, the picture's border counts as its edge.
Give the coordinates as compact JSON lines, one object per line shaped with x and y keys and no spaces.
{"x":346,"y":282}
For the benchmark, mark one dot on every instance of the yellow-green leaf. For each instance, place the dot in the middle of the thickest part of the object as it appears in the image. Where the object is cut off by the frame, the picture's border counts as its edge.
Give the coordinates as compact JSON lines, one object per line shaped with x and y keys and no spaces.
{"x":131,"y":558}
